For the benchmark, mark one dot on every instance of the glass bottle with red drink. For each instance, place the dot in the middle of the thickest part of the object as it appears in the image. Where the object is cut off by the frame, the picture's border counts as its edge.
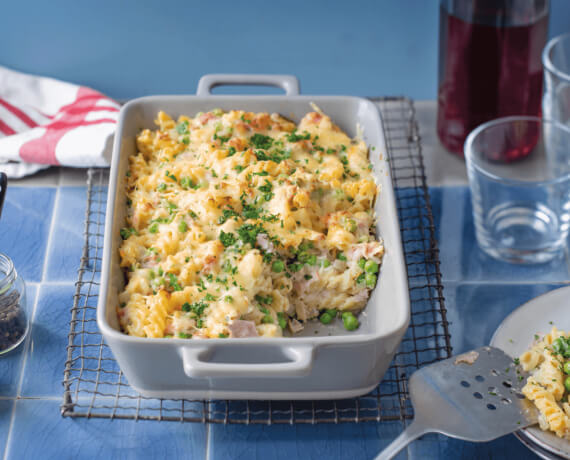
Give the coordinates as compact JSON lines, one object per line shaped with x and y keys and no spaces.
{"x":489,"y":63}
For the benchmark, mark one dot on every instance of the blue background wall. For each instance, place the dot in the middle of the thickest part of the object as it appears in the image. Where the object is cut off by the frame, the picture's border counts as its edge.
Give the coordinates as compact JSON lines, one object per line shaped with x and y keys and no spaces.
{"x":131,"y":48}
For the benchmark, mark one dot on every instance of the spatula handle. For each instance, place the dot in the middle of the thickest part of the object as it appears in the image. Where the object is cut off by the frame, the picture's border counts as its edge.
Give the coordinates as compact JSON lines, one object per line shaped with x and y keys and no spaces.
{"x":413,"y":431}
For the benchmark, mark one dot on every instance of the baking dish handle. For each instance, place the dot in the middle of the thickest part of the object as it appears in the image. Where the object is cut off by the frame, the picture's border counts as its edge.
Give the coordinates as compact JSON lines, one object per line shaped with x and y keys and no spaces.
{"x":197,"y":364}
{"x":288,"y":83}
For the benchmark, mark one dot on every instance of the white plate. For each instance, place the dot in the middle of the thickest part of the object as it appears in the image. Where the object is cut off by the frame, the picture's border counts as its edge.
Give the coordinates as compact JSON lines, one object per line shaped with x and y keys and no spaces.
{"x":516,"y":333}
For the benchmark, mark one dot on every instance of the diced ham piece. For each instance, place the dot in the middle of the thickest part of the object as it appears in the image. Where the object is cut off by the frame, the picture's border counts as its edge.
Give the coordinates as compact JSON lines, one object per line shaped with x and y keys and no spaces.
{"x":205,"y":117}
{"x":241,"y":328}
{"x":368,"y":250}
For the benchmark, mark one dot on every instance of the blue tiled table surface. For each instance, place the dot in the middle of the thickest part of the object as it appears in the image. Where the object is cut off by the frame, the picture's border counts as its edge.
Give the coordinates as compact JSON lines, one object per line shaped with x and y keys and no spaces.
{"x":42,"y":227}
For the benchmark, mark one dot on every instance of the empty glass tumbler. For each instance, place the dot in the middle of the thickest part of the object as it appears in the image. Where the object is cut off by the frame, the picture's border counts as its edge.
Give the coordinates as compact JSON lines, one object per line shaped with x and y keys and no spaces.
{"x":489,"y":63}
{"x":556,"y":62}
{"x":521,"y":207}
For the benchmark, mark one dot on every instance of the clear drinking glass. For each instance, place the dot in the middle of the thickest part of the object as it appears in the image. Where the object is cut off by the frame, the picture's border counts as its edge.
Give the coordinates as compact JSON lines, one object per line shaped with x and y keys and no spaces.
{"x":556,"y":62}
{"x":521,"y":207}
{"x":489,"y":63}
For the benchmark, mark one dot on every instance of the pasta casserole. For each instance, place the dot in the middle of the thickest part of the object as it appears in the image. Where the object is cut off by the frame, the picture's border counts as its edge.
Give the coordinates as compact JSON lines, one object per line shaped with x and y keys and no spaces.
{"x":548,"y":387}
{"x":245,"y":224}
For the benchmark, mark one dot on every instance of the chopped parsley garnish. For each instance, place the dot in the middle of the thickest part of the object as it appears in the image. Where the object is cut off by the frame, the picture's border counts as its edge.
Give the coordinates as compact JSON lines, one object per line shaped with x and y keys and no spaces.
{"x":161,"y":187}
{"x":227,"y":267}
{"x":266,"y":189}
{"x":248,"y":233}
{"x":197,"y":307}
{"x":209,"y":297}
{"x":561,"y":346}
{"x":261,"y":141}
{"x":277,"y":156}
{"x":182,"y":227}
{"x":173,"y":280}
{"x":153,"y":227}
{"x":251,"y":212}
{"x":184,"y":335}
{"x":270,"y":218}
{"x":227,"y":239}
{"x":187,"y":183}
{"x":226,"y":214}
{"x":229,"y":299}
{"x":262,"y":173}
{"x":231,"y":151}
{"x":239,"y":168}
{"x":294,"y":137}
{"x":127,"y":232}
{"x":222,"y":139}
{"x":170,"y":176}
{"x":192,"y":214}
{"x":223,"y":336}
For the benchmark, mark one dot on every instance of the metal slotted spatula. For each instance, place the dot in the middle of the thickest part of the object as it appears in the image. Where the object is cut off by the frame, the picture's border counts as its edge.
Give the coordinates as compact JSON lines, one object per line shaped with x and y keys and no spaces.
{"x":475,"y":396}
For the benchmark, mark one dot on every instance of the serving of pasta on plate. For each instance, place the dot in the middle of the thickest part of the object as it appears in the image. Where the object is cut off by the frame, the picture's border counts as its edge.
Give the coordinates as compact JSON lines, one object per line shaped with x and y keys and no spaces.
{"x":548,"y":386}
{"x":245,"y":224}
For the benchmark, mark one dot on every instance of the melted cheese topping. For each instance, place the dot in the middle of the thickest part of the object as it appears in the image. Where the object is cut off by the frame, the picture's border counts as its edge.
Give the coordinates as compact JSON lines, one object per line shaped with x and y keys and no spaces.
{"x":242,"y":224}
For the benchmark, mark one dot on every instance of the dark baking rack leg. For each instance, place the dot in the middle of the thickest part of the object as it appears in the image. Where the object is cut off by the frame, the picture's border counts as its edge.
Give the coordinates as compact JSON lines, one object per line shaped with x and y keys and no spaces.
{"x":95,"y":387}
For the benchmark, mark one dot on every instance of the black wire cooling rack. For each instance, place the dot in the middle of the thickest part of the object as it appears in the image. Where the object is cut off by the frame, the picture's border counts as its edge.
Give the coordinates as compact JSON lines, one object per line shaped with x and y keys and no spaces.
{"x":95,"y":387}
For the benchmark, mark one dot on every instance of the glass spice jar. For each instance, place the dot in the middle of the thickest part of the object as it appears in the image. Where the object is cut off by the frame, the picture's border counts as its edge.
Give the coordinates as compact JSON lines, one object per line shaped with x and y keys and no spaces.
{"x":13,"y":317}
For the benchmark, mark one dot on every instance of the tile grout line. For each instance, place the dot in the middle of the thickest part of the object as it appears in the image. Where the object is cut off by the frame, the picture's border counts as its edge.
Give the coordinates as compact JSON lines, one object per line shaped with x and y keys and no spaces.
{"x":51,"y":229}
{"x":51,"y":283}
{"x":27,"y":344}
{"x":208,"y":439}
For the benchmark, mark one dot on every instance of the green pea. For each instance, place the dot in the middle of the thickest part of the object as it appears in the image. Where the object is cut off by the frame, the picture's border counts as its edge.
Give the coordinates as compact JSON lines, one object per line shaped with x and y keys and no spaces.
{"x":362,"y":263}
{"x":281,"y":320}
{"x":567,"y":367}
{"x":370,"y":280}
{"x":371,"y":267}
{"x":325,"y":318}
{"x":325,"y":263}
{"x":182,"y":227}
{"x":567,"y":383}
{"x":350,"y":321}
{"x":331,"y":311}
{"x":153,"y":228}
{"x":278,"y":266}
{"x":312,"y":259}
{"x":341,"y":256}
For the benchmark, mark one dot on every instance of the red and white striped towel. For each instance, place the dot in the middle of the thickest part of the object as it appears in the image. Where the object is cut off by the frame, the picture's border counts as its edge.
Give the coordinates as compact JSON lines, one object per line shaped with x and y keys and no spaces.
{"x":45,"y":122}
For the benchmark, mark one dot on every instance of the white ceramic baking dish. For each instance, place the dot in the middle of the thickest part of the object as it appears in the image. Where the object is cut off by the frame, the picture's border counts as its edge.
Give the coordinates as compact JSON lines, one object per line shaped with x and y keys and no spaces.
{"x":324,"y":361}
